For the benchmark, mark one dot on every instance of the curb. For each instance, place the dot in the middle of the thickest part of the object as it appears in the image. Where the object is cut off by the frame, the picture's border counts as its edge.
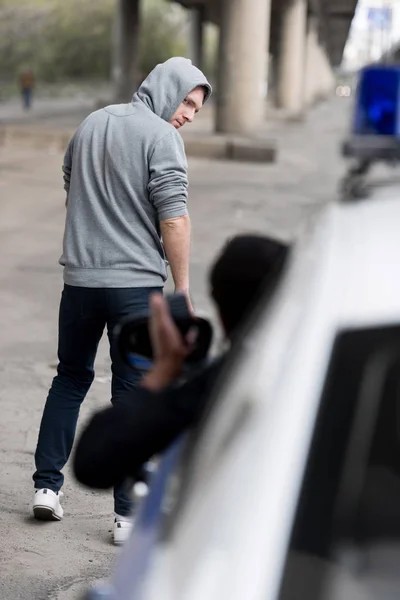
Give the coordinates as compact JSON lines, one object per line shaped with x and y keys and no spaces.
{"x":231,"y":148}
{"x":35,"y":137}
{"x":214,"y":146}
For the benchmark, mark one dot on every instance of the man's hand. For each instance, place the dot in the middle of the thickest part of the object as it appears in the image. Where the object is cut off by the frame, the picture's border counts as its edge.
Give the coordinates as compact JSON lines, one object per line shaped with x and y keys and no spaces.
{"x":188,"y":300}
{"x":170,"y":349}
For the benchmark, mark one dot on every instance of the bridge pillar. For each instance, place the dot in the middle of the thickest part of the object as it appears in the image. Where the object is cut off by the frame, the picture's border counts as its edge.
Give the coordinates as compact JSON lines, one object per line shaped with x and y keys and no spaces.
{"x":291,"y":59}
{"x":196,"y":36}
{"x":126,"y":66}
{"x":243,"y":65}
{"x":328,"y":80}
{"x":312,"y":75}
{"x":319,"y":78}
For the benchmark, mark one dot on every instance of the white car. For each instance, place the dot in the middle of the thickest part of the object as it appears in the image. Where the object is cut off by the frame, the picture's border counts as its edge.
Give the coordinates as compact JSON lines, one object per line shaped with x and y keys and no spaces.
{"x":289,"y":488}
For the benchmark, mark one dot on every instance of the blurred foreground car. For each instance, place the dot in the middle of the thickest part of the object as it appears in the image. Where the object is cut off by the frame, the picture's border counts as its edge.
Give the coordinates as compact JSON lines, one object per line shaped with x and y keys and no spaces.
{"x":290,"y":488}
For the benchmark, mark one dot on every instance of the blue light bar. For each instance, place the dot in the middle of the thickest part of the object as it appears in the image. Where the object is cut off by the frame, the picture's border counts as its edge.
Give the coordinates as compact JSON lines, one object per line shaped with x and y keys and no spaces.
{"x":377,"y":110}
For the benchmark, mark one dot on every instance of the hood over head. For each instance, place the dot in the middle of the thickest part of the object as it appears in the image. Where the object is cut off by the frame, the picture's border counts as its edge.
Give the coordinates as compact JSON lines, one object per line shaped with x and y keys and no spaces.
{"x":168,"y":84}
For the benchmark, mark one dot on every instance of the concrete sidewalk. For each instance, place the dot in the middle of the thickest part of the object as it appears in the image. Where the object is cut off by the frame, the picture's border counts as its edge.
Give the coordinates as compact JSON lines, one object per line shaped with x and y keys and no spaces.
{"x":68,"y":112}
{"x":52,"y":122}
{"x":46,"y":109}
{"x":41,"y":561}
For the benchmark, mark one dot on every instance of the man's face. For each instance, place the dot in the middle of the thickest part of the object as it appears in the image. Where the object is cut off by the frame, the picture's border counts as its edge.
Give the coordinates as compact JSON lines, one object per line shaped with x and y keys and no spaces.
{"x":188,"y":109}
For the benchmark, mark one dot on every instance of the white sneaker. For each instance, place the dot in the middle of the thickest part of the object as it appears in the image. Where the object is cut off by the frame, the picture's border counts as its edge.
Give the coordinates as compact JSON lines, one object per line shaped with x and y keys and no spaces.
{"x":46,"y":505}
{"x":121,"y":530}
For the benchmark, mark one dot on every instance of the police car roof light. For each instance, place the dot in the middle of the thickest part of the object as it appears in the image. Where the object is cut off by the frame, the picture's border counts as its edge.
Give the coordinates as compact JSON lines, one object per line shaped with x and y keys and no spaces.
{"x":377,"y":109}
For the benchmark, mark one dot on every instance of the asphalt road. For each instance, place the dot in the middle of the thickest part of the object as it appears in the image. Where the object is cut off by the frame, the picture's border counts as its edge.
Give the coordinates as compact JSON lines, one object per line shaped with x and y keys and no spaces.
{"x":56,"y":560}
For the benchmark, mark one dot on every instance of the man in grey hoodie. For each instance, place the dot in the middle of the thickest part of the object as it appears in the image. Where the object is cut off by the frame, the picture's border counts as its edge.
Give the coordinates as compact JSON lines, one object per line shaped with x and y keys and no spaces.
{"x":125,"y":174}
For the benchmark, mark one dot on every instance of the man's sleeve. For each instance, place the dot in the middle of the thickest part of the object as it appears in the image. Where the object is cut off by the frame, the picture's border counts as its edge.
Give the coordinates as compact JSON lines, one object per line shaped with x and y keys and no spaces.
{"x":67,"y":166}
{"x":168,"y":181}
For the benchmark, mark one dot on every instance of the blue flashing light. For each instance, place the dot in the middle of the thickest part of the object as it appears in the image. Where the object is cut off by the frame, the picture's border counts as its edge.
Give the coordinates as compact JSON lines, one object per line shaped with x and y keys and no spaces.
{"x":377,"y":110}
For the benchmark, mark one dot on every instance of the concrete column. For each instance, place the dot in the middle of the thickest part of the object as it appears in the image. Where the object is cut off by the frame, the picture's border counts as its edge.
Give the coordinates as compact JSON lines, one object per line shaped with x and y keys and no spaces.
{"x":196,"y":36}
{"x":290,"y":87}
{"x":126,"y":50}
{"x":312,"y":75}
{"x":319,"y":76}
{"x":328,"y":80}
{"x":243,"y":65}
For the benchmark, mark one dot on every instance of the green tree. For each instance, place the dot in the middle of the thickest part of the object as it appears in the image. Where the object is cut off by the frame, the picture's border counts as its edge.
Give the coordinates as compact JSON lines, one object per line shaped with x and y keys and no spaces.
{"x":77,"y":41}
{"x":72,"y":39}
{"x":162,"y":33}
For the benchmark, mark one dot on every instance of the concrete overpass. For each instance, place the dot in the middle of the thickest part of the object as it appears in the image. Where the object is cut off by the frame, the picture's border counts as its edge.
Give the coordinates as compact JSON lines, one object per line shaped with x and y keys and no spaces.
{"x":291,"y":44}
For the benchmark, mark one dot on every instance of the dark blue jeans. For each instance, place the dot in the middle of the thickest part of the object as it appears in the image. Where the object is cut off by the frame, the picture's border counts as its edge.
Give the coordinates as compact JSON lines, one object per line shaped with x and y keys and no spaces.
{"x":27,"y":97}
{"x":84,"y":313}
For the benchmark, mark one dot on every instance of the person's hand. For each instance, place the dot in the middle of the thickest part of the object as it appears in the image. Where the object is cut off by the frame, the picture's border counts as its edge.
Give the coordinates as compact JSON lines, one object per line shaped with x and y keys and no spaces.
{"x":170,"y":348}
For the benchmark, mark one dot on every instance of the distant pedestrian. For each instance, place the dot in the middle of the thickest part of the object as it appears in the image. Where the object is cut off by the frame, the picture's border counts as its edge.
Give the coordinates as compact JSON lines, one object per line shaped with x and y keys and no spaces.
{"x":27,"y":83}
{"x":125,"y":174}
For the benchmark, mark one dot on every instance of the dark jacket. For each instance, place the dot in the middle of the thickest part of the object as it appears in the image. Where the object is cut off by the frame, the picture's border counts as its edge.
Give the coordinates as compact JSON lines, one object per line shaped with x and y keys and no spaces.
{"x":119,"y":440}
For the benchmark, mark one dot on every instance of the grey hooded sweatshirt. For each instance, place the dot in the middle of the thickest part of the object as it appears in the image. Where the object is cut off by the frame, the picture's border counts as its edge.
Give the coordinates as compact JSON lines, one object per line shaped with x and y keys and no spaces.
{"x":125,"y":170}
